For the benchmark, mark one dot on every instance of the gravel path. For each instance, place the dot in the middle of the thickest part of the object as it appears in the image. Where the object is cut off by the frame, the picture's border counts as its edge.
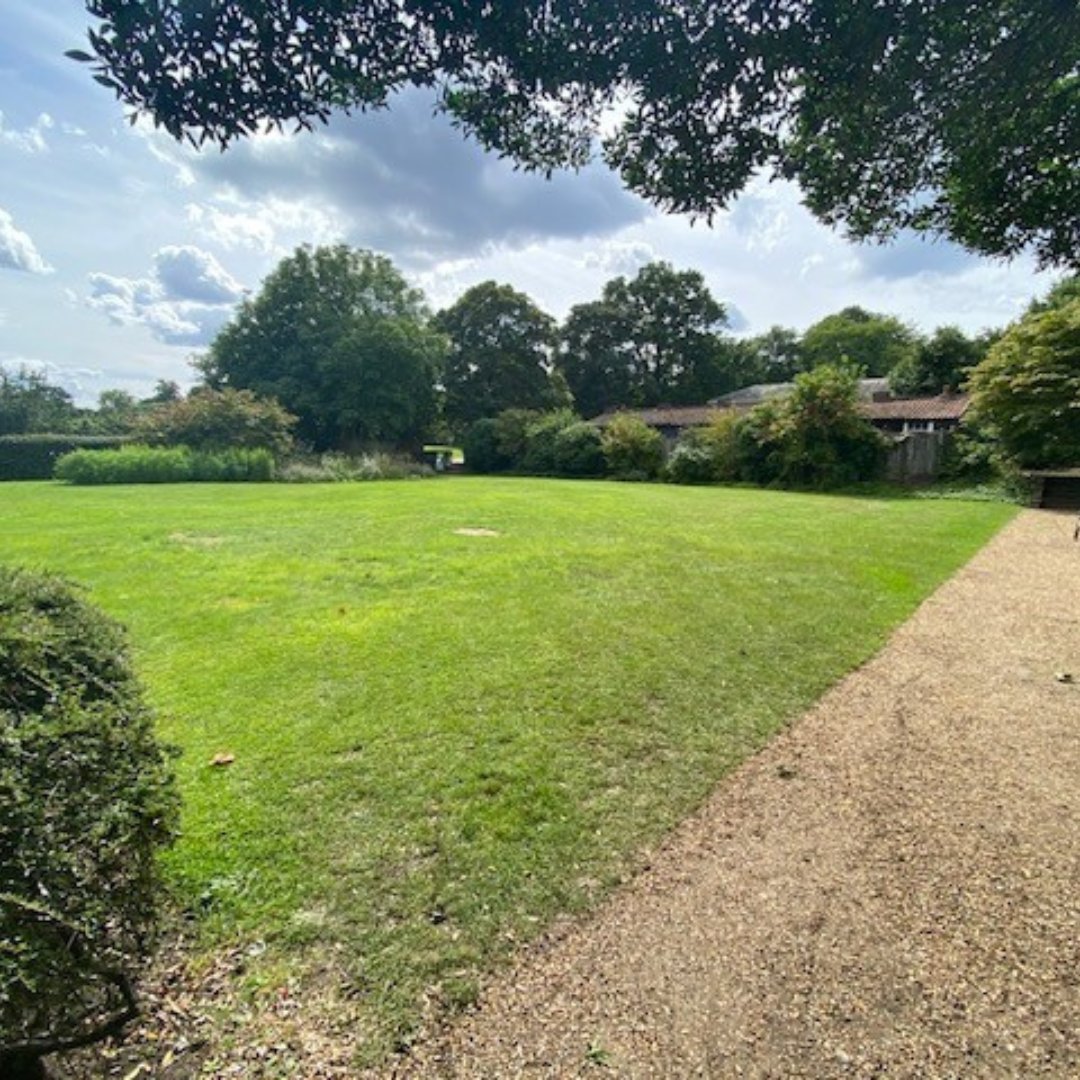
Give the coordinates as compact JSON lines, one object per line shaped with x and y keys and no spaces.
{"x":891,"y":888}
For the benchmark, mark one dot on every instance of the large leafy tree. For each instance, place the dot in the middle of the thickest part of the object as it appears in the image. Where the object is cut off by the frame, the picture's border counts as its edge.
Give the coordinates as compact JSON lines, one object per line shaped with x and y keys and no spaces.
{"x":30,"y":403}
{"x":940,"y":362}
{"x":1067,"y":289}
{"x":501,"y":346}
{"x":597,"y":356}
{"x":343,"y":342}
{"x":774,"y":356}
{"x":953,"y":116}
{"x":875,"y":343}
{"x":1026,"y":393}
{"x":650,"y":339}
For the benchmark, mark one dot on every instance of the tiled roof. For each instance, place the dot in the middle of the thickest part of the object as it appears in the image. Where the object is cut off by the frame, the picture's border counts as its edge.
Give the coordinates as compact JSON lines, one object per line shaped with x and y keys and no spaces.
{"x":753,"y":395}
{"x":868,"y":389}
{"x":942,"y":407}
{"x":664,"y":415}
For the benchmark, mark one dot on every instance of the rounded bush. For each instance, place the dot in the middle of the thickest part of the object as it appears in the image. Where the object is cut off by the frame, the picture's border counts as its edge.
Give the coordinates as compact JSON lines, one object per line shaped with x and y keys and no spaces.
{"x":632,"y":449}
{"x":87,"y":798}
{"x":481,"y":447}
{"x":578,"y":451}
{"x":540,"y":441}
{"x":691,"y":462}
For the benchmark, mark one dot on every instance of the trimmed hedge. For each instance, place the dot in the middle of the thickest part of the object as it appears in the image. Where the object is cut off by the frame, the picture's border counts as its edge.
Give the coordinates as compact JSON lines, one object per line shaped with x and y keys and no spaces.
{"x":33,"y":457}
{"x":88,"y":798}
{"x":163,"y":465}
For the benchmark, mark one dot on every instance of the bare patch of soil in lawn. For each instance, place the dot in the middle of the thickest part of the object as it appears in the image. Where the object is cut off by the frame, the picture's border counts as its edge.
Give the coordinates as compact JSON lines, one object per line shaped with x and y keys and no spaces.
{"x":196,"y":540}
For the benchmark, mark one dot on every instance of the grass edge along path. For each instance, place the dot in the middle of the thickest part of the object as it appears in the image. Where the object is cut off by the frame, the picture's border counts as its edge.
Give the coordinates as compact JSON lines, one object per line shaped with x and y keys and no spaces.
{"x":444,"y":740}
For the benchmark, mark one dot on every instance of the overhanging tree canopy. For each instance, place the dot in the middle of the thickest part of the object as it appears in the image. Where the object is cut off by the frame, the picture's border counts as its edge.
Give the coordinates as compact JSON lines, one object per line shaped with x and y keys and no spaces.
{"x":957,"y":117}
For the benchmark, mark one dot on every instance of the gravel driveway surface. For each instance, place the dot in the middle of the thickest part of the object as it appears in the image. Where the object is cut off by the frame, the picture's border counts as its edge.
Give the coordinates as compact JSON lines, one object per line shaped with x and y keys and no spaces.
{"x":891,"y":888}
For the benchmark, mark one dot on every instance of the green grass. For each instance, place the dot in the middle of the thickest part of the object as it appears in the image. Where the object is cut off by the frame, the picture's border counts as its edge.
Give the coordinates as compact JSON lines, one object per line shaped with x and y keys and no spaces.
{"x":442,"y":741}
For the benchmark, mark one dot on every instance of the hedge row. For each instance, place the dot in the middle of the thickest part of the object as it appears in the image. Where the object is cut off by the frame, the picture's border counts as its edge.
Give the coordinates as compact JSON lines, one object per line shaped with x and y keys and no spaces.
{"x":813,"y":438}
{"x":33,"y":457}
{"x":560,"y":444}
{"x":163,"y":465}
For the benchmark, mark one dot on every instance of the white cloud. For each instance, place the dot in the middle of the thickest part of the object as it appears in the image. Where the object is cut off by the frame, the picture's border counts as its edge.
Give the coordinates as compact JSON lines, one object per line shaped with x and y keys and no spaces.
{"x":17,"y":250}
{"x":619,"y":257}
{"x":404,"y":182}
{"x":164,"y":149}
{"x":30,"y":140}
{"x":188,"y":298}
{"x":268,"y":226}
{"x":189,"y":273}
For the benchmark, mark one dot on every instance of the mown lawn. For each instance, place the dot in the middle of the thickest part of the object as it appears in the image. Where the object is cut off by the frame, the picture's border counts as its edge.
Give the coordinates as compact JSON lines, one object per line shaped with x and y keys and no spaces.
{"x":441,"y":740}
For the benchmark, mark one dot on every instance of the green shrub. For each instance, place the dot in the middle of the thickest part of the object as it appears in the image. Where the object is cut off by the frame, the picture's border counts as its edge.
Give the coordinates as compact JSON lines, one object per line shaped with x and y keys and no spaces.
{"x":33,"y":457}
{"x":163,"y":465}
{"x":691,"y":462}
{"x":88,"y":798}
{"x":814,"y":438}
{"x":706,"y":455}
{"x":512,"y":435}
{"x":481,"y":447}
{"x":540,"y":438}
{"x":632,"y":449}
{"x":215,"y":420}
{"x":578,"y":451}
{"x":517,"y":440}
{"x":722,"y":438}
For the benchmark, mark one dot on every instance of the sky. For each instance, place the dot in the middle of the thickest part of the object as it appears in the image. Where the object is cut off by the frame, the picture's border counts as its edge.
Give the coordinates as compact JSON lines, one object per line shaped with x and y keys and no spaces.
{"x":122,"y":253}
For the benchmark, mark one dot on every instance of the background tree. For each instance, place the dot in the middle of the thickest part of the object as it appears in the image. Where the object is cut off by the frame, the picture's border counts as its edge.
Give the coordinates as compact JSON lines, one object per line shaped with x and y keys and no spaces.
{"x":343,"y":342}
{"x":597,"y":356}
{"x":165,"y":390}
{"x":875,"y":343}
{"x":1068,"y":288}
{"x":30,"y":403}
{"x":1026,"y":393}
{"x":775,"y":356}
{"x":940,"y":362}
{"x":117,"y":412}
{"x":648,"y":340}
{"x":949,"y":116}
{"x":500,"y":355}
